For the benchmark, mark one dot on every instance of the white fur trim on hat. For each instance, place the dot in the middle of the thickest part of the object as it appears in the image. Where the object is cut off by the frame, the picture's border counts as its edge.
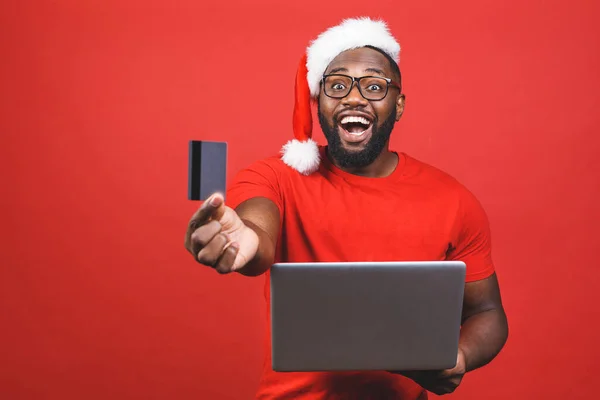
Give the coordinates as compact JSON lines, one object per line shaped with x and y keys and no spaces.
{"x":350,"y":34}
{"x":302,"y":156}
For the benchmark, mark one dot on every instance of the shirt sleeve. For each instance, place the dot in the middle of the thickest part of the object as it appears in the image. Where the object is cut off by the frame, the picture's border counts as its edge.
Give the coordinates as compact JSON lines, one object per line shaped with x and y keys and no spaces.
{"x":260,"y":179}
{"x":472,"y":235}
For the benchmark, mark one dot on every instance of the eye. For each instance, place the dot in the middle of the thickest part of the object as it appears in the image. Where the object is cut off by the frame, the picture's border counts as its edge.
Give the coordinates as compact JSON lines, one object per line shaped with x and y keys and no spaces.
{"x":338,"y":86}
{"x":374,"y":88}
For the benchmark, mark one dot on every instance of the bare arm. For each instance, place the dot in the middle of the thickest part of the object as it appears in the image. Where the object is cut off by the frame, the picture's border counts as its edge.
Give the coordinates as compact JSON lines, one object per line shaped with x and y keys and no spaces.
{"x":241,"y":240}
{"x":483,"y":334}
{"x":485,"y":328}
{"x":262,"y":216}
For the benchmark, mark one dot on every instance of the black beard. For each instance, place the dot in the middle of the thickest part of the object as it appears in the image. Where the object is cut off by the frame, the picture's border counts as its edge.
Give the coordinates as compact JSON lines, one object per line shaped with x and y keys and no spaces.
{"x":357,"y":159}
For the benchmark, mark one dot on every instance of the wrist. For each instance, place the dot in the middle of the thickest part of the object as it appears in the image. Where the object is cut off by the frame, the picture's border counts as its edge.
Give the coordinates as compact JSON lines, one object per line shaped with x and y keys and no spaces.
{"x":462,"y":358}
{"x":258,"y":260}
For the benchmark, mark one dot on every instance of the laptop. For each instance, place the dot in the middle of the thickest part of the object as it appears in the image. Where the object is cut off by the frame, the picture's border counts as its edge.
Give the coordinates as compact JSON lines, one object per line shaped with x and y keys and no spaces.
{"x":360,"y":316}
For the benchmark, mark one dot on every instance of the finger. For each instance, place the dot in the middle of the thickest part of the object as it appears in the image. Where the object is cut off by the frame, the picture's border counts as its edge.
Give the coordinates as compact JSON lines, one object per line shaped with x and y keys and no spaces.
{"x":225,"y":263}
{"x":211,"y":208}
{"x":203,"y":235}
{"x":433,"y":381}
{"x":442,"y":389}
{"x":218,"y":202}
{"x":211,"y":253}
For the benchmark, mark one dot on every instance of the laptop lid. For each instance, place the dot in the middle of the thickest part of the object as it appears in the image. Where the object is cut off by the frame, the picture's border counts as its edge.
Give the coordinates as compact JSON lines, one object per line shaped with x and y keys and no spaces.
{"x":366,"y":315}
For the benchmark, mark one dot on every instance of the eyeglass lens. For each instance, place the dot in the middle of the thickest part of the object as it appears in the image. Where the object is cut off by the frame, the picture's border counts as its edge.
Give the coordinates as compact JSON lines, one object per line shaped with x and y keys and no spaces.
{"x":338,"y":86}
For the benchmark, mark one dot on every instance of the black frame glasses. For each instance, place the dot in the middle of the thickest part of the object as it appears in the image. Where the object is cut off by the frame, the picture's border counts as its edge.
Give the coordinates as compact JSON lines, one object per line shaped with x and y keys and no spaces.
{"x":370,"y":97}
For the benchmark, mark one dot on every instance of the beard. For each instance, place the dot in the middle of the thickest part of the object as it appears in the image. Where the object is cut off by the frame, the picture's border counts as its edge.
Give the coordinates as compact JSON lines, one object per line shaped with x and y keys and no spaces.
{"x":361,"y":158}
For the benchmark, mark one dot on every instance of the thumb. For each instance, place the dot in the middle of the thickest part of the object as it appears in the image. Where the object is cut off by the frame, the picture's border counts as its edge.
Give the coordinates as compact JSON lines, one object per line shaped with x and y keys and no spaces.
{"x":226,"y":216}
{"x":216,"y":206}
{"x":212,"y":208}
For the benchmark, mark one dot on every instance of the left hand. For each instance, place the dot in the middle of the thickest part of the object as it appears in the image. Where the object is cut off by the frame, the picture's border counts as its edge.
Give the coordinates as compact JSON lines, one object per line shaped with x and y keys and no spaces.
{"x":439,"y":382}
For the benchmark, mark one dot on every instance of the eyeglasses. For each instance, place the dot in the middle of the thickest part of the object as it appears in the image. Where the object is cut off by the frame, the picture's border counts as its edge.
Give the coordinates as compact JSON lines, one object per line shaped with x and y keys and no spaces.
{"x":338,"y":86}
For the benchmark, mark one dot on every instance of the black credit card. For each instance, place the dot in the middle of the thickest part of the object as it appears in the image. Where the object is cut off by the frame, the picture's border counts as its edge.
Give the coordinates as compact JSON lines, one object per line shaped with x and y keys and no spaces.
{"x":207,"y":172}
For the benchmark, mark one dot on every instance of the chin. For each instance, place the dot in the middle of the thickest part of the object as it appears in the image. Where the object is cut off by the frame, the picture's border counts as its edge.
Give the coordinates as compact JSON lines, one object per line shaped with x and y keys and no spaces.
{"x":354,"y":149}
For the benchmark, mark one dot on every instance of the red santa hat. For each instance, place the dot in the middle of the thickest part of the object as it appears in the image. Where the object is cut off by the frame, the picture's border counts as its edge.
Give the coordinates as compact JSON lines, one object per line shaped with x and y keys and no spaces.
{"x":302,"y":152}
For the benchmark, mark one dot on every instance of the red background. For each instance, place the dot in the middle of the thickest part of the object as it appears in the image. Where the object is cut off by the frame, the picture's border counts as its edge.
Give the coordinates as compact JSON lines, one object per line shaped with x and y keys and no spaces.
{"x":99,"y":298}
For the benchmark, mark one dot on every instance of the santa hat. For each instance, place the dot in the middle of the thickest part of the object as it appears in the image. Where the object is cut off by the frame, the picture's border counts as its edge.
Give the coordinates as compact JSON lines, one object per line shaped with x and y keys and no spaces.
{"x":302,"y":152}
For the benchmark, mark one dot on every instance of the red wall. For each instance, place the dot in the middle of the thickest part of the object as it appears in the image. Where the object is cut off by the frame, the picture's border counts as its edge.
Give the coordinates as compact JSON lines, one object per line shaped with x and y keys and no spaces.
{"x":99,"y":298}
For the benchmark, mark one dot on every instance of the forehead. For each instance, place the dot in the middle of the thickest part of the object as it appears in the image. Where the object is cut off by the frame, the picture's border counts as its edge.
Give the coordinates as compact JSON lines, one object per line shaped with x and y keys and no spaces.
{"x":359,"y":61}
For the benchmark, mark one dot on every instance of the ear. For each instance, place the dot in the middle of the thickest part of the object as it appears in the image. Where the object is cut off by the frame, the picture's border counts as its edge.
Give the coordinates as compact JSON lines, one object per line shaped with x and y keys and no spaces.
{"x":399,"y":106}
{"x":316,"y":102}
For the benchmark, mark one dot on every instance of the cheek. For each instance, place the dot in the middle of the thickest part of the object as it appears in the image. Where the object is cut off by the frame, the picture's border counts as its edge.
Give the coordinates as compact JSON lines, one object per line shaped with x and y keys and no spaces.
{"x":383,"y":110}
{"x":327,"y":107}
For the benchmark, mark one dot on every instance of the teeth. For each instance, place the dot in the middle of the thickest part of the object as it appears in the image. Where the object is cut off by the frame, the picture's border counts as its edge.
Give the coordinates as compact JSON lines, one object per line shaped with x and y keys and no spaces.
{"x":353,"y":119}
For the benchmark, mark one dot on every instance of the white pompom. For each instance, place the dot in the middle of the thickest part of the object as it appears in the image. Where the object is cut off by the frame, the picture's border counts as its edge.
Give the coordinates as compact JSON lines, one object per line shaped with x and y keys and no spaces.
{"x":304,"y":156}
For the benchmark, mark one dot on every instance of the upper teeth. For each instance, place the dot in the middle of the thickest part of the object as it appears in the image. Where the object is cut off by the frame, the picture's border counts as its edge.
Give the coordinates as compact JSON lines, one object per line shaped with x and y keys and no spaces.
{"x":353,"y":119}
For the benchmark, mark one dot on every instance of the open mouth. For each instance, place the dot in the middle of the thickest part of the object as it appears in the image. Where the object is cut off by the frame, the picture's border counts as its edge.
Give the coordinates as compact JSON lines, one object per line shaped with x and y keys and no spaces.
{"x":355,"y":125}
{"x":355,"y":129}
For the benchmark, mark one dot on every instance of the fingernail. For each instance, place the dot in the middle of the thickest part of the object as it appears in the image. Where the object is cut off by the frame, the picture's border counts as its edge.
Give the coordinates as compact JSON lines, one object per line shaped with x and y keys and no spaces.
{"x":215,"y":201}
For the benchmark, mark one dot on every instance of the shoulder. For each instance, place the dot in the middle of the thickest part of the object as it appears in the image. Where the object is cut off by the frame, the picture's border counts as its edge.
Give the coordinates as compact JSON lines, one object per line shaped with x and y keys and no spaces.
{"x":271,"y":168}
{"x":261,"y":178}
{"x":273,"y":163}
{"x":442,"y":185}
{"x":431,"y":176}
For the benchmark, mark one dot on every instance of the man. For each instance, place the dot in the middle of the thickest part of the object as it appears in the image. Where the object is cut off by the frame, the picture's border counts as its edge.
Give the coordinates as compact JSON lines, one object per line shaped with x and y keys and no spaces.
{"x":354,"y":200}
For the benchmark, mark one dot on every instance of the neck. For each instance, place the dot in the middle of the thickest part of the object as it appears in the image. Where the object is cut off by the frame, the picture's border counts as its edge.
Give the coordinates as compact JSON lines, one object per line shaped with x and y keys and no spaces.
{"x":383,"y":166}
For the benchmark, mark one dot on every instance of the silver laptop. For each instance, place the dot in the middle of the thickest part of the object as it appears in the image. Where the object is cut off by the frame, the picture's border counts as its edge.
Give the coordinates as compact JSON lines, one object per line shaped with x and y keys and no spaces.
{"x":362,"y":316}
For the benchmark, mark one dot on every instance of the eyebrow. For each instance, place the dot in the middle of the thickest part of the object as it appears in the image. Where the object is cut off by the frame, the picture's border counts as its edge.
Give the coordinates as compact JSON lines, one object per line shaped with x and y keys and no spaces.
{"x":372,"y":70}
{"x":375,"y":70}
{"x":339,"y":69}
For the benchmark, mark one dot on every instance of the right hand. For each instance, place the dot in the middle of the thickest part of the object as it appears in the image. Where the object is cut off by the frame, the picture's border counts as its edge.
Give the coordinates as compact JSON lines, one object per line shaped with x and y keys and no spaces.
{"x":217,"y":237}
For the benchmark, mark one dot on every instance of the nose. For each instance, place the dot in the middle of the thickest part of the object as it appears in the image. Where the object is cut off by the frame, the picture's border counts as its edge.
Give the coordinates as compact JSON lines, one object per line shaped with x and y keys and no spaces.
{"x":354,"y":98}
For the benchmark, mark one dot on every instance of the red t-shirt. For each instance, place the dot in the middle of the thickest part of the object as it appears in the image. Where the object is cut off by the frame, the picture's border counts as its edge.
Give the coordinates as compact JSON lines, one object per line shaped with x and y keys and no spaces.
{"x":418,"y":213}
